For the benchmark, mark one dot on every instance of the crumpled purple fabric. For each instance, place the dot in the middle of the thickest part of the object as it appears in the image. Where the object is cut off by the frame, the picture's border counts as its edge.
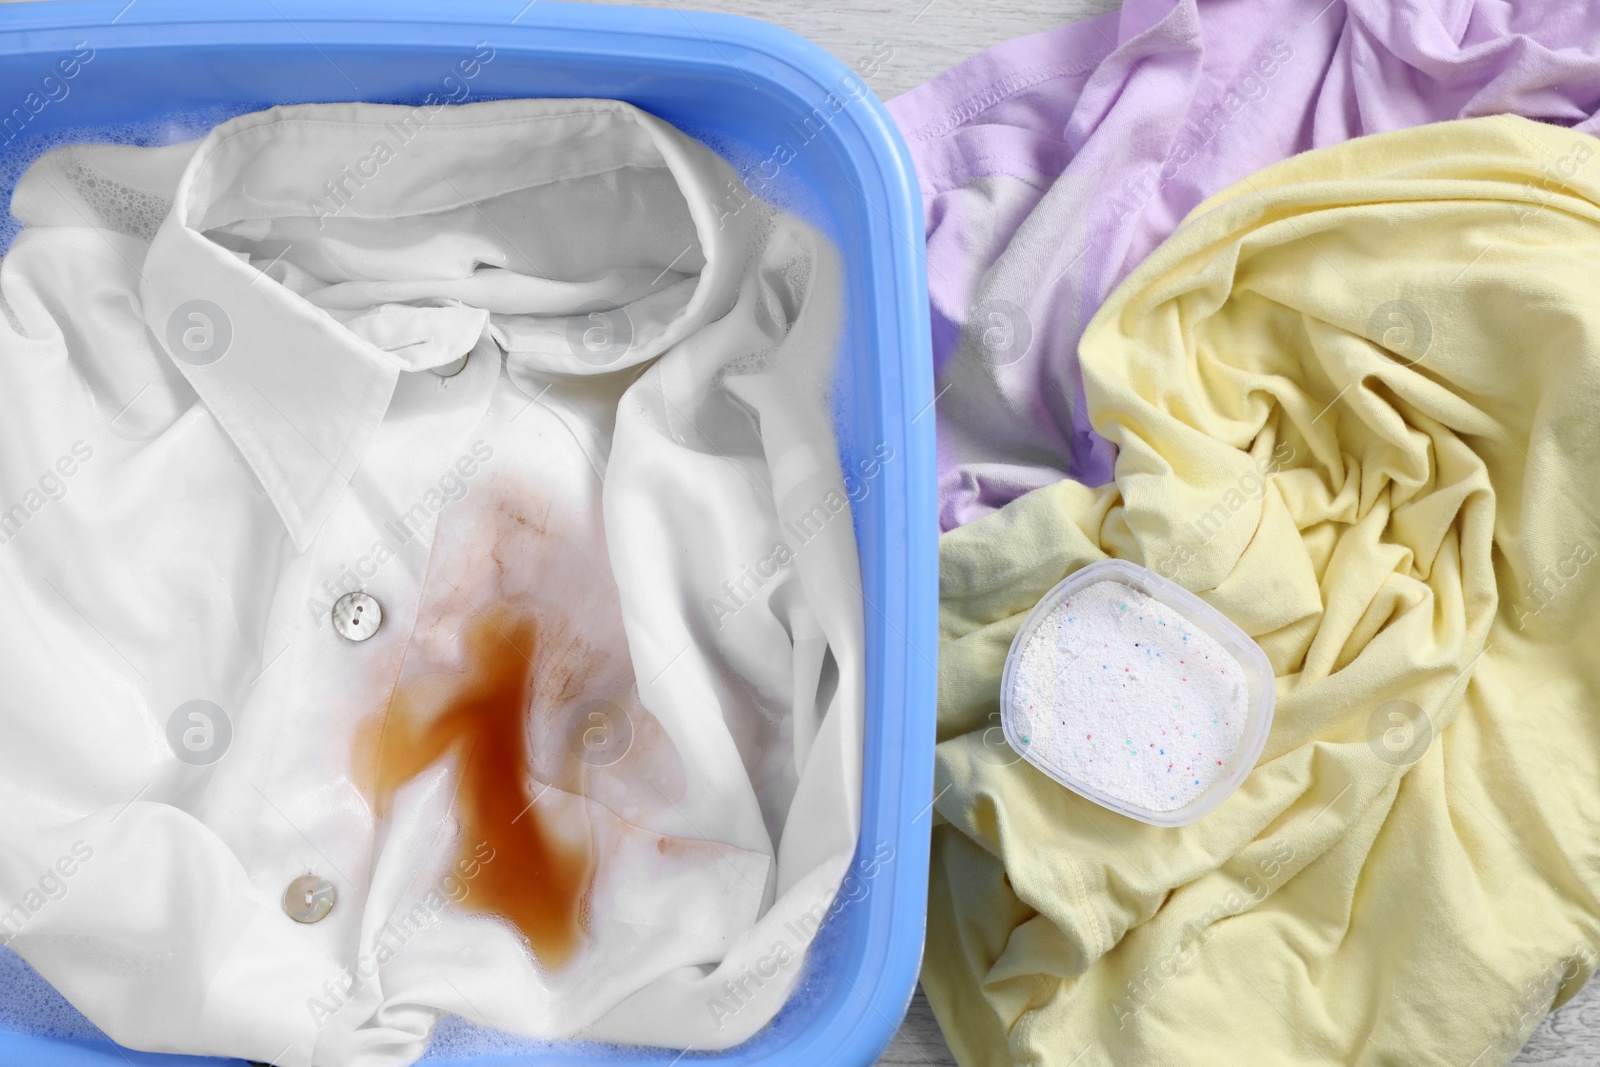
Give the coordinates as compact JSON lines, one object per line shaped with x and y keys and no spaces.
{"x":1052,"y":165}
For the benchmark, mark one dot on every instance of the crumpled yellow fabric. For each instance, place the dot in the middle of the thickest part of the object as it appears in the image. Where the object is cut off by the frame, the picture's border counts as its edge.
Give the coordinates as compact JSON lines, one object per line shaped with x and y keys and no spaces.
{"x":1357,"y":399}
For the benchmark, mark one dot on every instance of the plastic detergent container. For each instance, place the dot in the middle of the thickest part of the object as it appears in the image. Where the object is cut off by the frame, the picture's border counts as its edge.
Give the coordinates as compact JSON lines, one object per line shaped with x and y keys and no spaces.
{"x":168,"y":70}
{"x":1133,"y":692}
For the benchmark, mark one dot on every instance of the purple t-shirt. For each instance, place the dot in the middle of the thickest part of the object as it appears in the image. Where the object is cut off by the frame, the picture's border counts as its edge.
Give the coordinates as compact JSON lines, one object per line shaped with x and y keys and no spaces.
{"x":1051,"y":165}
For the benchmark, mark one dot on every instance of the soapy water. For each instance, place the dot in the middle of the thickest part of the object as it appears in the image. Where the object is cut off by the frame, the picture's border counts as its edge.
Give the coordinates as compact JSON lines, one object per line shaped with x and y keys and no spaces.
{"x":18,"y":155}
{"x":30,"y":1005}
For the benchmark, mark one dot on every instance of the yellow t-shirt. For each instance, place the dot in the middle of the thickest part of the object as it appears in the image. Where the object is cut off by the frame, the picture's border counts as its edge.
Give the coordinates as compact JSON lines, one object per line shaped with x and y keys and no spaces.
{"x":1357,"y":402}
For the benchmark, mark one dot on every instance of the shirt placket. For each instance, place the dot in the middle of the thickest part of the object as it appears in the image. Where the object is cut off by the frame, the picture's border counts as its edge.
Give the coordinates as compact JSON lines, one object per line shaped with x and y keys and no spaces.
{"x":343,"y":615}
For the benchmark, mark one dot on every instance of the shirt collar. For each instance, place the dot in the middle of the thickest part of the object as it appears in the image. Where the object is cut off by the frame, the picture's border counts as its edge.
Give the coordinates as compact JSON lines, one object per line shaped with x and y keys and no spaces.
{"x":300,"y":380}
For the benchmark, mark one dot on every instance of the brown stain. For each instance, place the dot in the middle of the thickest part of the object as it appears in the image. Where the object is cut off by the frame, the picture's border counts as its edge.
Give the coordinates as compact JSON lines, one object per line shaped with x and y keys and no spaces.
{"x":539,"y":879}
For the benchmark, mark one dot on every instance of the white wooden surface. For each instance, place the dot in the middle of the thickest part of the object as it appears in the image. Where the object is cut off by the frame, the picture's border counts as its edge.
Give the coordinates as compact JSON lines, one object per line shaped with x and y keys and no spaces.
{"x":928,"y":36}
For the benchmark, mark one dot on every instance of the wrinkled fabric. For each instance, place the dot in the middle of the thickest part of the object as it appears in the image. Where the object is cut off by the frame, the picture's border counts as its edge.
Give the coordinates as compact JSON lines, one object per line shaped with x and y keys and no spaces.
{"x":600,"y":764}
{"x":1353,"y":400}
{"x":1052,"y":165}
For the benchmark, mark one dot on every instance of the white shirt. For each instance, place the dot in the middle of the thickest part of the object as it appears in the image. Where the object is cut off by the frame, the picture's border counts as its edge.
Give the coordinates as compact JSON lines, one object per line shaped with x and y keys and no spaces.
{"x":221,"y":415}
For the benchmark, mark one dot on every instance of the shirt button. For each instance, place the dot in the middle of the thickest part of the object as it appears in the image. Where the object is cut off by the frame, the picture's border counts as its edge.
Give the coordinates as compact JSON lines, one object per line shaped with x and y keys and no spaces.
{"x":357,"y":616}
{"x":309,"y":898}
{"x":450,"y":370}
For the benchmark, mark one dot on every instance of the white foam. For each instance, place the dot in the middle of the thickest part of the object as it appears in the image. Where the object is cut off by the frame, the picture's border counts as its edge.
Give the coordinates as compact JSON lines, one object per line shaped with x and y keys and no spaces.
{"x":18,"y":155}
{"x":31,"y":1005}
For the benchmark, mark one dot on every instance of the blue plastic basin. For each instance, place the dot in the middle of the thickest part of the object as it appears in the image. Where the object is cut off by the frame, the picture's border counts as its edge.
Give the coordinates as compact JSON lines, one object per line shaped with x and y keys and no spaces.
{"x":163,"y":68}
